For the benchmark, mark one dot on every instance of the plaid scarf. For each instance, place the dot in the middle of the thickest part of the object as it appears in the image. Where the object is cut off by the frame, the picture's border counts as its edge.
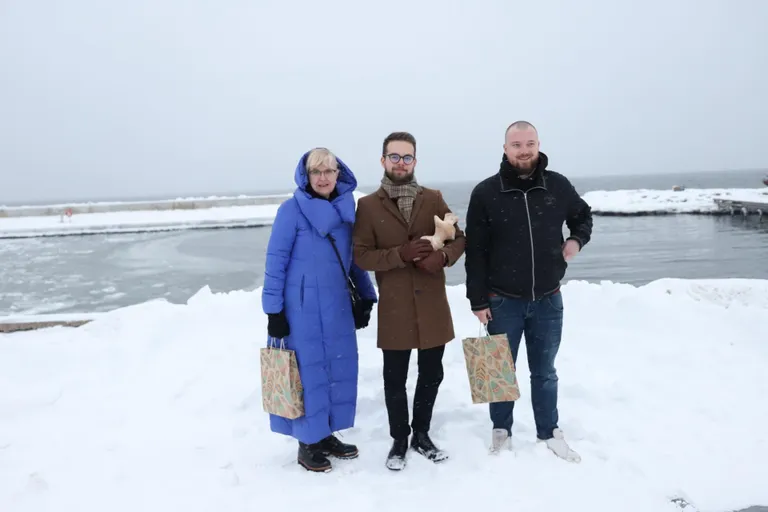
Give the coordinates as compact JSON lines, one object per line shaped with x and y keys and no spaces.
{"x":404,"y":194}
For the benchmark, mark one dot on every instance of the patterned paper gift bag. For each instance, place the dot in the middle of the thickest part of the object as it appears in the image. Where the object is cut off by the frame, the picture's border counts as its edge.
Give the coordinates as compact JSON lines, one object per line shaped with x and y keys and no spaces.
{"x":281,"y":391}
{"x":491,"y":369}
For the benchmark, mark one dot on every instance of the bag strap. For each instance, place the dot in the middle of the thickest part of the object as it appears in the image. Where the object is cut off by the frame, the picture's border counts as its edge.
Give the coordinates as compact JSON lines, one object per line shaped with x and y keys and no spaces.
{"x":271,"y":345}
{"x":350,"y":284}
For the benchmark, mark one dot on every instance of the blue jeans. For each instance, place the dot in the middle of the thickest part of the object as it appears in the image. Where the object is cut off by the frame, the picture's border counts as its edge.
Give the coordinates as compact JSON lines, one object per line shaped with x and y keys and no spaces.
{"x":541,"y":321}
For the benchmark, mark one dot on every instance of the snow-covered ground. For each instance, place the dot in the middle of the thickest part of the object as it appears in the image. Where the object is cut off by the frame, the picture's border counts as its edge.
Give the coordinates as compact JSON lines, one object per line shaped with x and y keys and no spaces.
{"x":127,"y":221}
{"x":668,"y":201}
{"x":157,"y":407}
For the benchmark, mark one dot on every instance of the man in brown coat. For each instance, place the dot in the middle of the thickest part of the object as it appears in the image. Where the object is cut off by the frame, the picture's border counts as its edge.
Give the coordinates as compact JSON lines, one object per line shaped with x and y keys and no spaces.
{"x":413,"y":307}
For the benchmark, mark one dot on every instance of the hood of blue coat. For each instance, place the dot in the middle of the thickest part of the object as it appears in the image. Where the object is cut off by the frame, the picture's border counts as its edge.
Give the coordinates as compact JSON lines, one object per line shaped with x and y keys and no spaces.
{"x":322,"y":214}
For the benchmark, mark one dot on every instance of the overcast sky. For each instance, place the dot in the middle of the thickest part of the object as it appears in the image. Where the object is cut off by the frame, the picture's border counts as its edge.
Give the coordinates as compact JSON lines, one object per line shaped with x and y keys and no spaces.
{"x":125,"y":98}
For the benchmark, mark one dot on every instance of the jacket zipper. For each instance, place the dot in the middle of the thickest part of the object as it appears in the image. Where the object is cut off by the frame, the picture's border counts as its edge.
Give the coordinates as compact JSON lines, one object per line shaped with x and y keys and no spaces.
{"x":533,"y":256}
{"x":530,"y":231}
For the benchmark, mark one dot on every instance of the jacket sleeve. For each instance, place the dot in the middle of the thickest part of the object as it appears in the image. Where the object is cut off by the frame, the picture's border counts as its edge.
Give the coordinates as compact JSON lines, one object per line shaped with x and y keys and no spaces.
{"x":477,"y":246}
{"x":452,"y":248}
{"x":579,"y":218}
{"x":279,"y":250}
{"x":363,"y":283}
{"x":366,"y":255}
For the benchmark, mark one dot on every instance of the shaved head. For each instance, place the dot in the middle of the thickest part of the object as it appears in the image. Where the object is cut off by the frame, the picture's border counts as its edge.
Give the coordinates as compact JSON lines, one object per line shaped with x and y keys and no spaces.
{"x":520,"y":125}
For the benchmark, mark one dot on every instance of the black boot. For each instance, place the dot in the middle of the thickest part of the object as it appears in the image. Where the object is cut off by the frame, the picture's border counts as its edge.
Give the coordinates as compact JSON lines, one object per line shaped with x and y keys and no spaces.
{"x":335,"y":448}
{"x":312,"y":459}
{"x":424,"y":445}
{"x":396,"y":457}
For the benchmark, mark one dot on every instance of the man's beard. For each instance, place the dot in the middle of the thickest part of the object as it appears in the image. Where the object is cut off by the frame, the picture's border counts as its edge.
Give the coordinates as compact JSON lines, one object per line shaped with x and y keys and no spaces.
{"x":399,"y":179}
{"x":528,"y":166}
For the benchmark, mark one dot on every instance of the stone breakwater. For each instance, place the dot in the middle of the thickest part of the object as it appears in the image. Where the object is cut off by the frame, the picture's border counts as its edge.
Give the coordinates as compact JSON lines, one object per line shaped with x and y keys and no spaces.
{"x":95,"y":218}
{"x":193,"y":203}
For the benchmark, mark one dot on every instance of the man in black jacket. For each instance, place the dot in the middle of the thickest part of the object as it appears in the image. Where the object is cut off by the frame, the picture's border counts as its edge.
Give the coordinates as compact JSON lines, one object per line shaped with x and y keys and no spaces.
{"x":515,"y":260}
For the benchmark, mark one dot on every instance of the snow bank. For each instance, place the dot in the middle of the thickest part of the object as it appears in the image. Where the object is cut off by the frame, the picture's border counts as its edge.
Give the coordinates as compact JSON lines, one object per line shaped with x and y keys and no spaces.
{"x":139,"y":221}
{"x":157,"y":407}
{"x":649,"y":202}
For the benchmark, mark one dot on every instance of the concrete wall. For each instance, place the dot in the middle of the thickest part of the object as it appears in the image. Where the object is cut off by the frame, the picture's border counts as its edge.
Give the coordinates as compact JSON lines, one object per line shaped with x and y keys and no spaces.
{"x":9,"y":327}
{"x":171,"y":204}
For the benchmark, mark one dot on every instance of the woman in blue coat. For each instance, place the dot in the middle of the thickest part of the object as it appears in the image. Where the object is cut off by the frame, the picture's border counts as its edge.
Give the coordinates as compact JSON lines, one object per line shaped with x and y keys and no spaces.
{"x":308,"y":304}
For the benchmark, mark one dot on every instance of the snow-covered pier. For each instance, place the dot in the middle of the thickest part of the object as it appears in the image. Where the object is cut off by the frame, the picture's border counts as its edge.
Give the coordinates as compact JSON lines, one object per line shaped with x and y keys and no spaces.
{"x":641,"y":202}
{"x":183,"y":203}
{"x":140,"y":216}
{"x":136,"y":216}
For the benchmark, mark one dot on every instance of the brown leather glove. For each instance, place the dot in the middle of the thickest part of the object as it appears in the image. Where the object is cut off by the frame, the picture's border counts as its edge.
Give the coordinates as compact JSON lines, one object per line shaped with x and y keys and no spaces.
{"x":432,"y":263}
{"x":417,"y":248}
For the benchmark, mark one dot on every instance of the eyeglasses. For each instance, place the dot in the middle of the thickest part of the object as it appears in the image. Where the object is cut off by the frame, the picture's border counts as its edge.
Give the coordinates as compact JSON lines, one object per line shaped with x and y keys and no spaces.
{"x":327,"y":173}
{"x":394,"y":158}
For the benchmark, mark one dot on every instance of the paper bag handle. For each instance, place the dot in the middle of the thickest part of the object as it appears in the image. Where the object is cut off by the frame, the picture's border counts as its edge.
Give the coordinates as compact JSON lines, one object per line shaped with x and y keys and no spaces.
{"x":269,"y":342}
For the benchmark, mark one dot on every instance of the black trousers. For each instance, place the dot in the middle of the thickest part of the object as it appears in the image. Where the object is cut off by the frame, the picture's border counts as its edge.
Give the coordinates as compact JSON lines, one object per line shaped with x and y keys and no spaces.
{"x":430,"y":363}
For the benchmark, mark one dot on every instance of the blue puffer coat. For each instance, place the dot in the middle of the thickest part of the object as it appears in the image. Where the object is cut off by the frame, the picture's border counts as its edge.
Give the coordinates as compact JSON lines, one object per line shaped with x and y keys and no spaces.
{"x":303,"y":277}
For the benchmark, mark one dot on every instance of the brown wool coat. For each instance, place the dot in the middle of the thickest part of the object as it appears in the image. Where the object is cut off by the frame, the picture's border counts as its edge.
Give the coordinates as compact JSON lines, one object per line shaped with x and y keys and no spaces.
{"x":413,"y":306}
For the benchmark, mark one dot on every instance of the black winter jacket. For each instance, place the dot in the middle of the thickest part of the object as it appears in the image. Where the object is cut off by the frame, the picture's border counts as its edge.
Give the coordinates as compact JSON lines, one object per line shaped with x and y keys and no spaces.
{"x":515,"y":233}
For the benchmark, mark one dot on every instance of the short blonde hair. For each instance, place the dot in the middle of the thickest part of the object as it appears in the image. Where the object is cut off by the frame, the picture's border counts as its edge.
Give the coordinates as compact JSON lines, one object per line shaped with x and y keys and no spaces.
{"x":320,"y":156}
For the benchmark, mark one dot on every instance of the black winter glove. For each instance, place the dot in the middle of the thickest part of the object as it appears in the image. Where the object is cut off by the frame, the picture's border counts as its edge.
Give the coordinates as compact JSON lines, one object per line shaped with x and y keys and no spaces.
{"x":277,"y":325}
{"x":364,"y":316}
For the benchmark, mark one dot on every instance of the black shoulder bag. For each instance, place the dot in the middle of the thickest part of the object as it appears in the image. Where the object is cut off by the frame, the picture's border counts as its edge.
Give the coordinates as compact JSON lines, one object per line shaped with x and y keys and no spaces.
{"x":357,"y":302}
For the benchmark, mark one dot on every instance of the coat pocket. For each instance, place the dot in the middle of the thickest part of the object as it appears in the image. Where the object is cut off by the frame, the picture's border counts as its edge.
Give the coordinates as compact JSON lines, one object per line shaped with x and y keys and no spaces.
{"x":301,"y":292}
